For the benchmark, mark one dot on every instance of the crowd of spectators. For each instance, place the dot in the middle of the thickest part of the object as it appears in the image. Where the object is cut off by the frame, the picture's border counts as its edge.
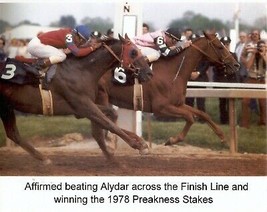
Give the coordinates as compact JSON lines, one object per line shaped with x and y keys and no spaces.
{"x":251,"y":53}
{"x":14,"y":47}
{"x":254,"y":58}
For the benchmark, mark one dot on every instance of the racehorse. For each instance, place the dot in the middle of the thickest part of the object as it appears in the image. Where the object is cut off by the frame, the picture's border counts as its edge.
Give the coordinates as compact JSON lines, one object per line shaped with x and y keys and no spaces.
{"x":164,"y":95}
{"x":74,"y":91}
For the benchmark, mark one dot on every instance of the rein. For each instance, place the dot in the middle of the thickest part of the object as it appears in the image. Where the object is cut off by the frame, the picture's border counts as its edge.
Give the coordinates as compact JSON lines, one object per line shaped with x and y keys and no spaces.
{"x":210,"y":44}
{"x":179,"y":69}
{"x":131,"y":66}
{"x":112,"y":52}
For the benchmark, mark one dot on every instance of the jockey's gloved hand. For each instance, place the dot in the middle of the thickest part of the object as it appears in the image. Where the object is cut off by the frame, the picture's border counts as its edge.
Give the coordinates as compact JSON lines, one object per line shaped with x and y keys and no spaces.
{"x":40,"y":64}
{"x":186,"y":44}
{"x":96,"y":45}
{"x":104,"y":37}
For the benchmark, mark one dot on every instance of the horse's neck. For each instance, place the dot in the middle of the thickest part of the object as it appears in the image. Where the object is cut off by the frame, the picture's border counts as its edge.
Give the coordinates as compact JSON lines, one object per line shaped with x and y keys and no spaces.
{"x":187,"y":62}
{"x":107,"y":60}
{"x":194,"y":57}
{"x":95,"y":64}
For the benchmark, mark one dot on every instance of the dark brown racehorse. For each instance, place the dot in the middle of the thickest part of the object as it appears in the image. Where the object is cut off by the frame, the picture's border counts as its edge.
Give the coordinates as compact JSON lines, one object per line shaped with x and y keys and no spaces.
{"x":164,"y":95}
{"x":74,"y":91}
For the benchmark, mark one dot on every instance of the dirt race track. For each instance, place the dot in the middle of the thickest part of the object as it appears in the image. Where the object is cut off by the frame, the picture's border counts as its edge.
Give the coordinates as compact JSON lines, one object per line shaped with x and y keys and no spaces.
{"x":84,"y":158}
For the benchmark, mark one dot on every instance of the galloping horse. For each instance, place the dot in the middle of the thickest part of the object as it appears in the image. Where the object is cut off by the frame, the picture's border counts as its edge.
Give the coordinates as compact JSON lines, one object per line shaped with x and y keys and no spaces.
{"x":164,"y":95}
{"x":74,"y":91}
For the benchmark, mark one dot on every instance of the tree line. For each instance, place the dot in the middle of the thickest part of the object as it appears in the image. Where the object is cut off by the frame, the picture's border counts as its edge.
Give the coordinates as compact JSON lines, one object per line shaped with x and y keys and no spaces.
{"x":190,"y":19}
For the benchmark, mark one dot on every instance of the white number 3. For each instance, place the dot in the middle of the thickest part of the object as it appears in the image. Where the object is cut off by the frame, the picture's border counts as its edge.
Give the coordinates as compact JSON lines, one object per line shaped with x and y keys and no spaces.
{"x":10,"y":72}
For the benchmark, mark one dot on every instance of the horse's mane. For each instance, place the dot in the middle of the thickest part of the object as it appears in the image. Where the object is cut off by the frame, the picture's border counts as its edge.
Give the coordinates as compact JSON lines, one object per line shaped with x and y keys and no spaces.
{"x":110,"y":41}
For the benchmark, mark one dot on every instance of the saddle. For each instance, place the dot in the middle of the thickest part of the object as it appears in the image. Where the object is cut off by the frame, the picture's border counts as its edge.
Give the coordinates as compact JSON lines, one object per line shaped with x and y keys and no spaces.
{"x":23,"y":70}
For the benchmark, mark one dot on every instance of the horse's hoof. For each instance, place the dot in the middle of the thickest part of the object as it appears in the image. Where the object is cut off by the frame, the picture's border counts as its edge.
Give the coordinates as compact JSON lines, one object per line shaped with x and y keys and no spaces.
{"x":168,"y":143}
{"x":110,"y":150}
{"x":47,"y":162}
{"x":144,"y":151}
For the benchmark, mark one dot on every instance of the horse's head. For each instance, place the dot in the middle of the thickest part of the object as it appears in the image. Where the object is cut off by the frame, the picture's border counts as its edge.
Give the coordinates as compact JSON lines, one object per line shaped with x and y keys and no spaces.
{"x":133,"y":60}
{"x":216,"y":52}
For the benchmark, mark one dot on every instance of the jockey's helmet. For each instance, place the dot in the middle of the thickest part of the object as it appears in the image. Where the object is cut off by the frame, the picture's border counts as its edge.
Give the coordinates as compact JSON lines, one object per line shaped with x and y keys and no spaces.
{"x":83,"y":31}
{"x":96,"y":34}
{"x":174,"y":33}
{"x":225,"y":40}
{"x":194,"y":36}
{"x":110,"y":32}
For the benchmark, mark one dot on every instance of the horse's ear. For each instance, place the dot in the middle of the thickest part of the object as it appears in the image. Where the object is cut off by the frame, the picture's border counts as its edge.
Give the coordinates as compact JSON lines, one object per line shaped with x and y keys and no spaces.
{"x":207,"y":33}
{"x":213,"y":31}
{"x":121,"y":38}
{"x":126,"y":37}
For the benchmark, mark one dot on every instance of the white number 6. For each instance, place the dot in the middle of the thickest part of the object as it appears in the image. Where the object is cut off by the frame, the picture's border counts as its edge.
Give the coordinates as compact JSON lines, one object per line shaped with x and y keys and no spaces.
{"x":120,"y":75}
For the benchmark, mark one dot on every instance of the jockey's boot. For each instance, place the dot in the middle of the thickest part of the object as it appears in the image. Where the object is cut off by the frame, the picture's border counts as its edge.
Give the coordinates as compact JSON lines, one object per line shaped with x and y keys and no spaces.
{"x":42,"y":63}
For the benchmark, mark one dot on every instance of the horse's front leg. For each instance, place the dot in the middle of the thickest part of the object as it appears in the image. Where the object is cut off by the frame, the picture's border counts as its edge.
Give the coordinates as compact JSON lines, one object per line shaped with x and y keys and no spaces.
{"x":91,"y":111}
{"x":108,"y":138}
{"x":178,"y":112}
{"x":99,"y":135}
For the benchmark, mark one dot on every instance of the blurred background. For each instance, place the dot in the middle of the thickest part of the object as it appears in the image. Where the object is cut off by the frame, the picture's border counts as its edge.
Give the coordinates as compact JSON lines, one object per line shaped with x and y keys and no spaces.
{"x":99,"y":15}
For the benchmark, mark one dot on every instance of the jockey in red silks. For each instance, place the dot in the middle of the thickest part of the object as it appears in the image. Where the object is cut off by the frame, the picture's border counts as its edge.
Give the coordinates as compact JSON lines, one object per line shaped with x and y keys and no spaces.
{"x":53,"y":46}
{"x":155,"y":44}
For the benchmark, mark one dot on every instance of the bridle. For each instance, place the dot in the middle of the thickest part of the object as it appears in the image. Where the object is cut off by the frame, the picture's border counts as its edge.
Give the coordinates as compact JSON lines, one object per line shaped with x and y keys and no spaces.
{"x":130,"y":66}
{"x":210,"y":44}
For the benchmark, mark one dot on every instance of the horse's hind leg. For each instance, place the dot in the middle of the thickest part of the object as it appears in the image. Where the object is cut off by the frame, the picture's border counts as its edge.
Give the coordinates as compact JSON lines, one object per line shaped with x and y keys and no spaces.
{"x":204,"y":116}
{"x":9,"y":120}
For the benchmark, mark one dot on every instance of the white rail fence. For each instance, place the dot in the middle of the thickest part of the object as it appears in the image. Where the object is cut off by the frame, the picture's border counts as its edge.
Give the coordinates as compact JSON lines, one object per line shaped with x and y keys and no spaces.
{"x":232,"y":91}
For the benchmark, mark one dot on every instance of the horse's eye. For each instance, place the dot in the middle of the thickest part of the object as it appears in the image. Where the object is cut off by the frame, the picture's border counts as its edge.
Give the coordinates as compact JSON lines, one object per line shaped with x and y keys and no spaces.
{"x":133,"y":53}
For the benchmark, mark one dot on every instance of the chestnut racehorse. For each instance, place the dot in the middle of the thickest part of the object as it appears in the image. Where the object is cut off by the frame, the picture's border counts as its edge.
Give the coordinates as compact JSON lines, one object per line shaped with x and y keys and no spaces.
{"x":164,"y":95}
{"x":74,"y":88}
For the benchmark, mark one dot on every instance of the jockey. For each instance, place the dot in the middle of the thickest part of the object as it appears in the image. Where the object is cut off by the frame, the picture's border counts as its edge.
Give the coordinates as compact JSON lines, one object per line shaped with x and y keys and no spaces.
{"x":53,"y":46}
{"x":155,"y":44}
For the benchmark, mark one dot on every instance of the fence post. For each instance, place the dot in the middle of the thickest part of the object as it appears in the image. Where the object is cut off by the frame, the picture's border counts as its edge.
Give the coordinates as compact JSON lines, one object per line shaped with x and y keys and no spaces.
{"x":232,"y":123}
